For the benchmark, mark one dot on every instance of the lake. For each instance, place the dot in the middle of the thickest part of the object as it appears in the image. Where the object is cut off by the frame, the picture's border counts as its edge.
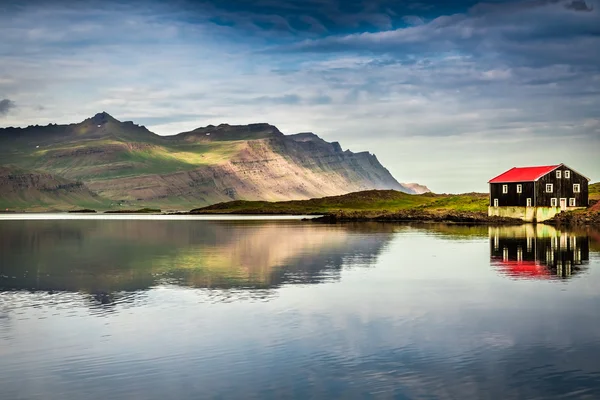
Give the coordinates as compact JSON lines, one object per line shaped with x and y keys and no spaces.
{"x":94,"y":308}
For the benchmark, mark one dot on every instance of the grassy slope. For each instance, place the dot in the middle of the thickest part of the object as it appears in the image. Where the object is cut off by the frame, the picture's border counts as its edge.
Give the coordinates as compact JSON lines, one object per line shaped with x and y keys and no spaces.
{"x":120,"y":160}
{"x":372,"y":201}
{"x":49,"y":193}
{"x":43,"y":202}
{"x":594,"y":191}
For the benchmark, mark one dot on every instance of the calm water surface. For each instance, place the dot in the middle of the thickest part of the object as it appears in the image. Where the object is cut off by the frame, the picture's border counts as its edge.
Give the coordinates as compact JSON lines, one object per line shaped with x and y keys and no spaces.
{"x":190,"y":309}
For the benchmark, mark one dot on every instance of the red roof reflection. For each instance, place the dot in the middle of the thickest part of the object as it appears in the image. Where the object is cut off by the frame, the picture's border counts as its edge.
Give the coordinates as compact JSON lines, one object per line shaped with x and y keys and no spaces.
{"x":523,"y":269}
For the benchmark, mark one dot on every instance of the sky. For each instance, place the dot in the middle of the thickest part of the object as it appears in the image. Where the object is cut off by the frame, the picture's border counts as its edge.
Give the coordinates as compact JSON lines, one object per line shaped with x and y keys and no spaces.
{"x":445,"y":93}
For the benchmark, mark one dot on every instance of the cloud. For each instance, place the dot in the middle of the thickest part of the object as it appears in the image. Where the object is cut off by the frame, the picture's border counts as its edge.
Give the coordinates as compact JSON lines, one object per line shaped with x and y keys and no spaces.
{"x":413,"y":20}
{"x":501,"y":80}
{"x":579,"y":5}
{"x":5,"y":106}
{"x":518,"y":34}
{"x":289,"y":99}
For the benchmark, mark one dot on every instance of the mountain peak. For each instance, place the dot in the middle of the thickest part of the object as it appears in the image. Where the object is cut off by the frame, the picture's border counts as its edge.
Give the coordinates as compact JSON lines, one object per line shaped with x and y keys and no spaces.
{"x":102,"y":118}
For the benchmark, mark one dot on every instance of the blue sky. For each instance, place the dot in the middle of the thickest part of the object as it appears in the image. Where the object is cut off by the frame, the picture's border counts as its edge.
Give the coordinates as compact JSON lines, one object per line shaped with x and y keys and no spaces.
{"x":448,"y":94}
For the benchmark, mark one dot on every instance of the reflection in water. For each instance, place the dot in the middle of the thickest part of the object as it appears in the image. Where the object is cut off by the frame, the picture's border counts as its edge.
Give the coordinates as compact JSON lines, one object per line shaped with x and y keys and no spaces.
{"x":104,"y":257}
{"x":538,"y":252}
{"x":96,"y":310}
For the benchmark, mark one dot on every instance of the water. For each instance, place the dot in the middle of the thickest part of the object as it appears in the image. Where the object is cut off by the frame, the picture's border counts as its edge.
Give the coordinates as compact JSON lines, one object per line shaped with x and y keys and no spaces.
{"x":182,"y":309}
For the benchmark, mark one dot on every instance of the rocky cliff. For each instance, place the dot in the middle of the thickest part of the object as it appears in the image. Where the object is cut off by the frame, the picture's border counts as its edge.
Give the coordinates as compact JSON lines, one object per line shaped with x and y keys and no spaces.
{"x":128,"y":164}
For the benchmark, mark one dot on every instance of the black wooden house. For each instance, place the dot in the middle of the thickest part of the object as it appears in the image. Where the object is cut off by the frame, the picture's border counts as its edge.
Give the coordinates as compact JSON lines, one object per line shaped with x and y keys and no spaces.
{"x":553,"y":186}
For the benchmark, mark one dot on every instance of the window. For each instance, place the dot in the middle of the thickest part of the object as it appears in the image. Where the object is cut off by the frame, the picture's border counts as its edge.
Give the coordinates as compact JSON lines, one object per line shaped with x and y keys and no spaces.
{"x":572,"y":202}
{"x":558,"y":174}
{"x":554,"y":202}
{"x":504,"y":189}
{"x":519,"y":188}
{"x":495,"y":202}
{"x":549,"y":188}
{"x":567,"y":174}
{"x":529,"y":202}
{"x":576,"y":188}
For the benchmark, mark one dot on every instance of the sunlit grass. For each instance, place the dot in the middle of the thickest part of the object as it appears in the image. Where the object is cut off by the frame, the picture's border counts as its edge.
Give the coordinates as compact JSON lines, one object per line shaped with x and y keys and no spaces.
{"x":368,"y":201}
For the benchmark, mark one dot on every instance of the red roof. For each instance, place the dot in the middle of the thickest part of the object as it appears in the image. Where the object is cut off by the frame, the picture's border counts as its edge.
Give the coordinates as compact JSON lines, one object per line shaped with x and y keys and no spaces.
{"x":524,"y":174}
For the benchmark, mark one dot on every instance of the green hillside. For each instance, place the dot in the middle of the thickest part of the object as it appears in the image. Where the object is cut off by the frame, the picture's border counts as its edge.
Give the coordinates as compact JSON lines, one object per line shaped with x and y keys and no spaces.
{"x":367,"y":202}
{"x":594,"y":191}
{"x":38,"y":191}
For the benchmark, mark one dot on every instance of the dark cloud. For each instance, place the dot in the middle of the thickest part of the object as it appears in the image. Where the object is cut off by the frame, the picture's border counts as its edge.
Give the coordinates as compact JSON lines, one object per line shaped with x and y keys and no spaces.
{"x":579,"y":5}
{"x":516,"y":34}
{"x":5,"y":106}
{"x":315,"y":17}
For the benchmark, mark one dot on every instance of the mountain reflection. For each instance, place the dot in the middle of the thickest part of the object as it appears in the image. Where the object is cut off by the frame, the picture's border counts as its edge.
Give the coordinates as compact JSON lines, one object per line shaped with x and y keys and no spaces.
{"x":106,"y":257}
{"x":538,"y":252}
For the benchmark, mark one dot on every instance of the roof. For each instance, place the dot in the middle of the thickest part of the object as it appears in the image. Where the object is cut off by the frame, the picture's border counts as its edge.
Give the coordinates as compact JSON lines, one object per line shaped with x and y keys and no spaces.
{"x":524,"y":174}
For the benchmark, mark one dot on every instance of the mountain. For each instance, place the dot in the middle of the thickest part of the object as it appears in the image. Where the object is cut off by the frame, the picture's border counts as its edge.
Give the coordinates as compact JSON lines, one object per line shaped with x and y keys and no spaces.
{"x":416,"y":188}
{"x":126,"y":163}
{"x":20,"y":189}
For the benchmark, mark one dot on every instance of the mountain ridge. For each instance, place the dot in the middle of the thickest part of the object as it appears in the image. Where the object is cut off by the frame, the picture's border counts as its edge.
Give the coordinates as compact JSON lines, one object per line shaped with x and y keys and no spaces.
{"x":127,"y":163}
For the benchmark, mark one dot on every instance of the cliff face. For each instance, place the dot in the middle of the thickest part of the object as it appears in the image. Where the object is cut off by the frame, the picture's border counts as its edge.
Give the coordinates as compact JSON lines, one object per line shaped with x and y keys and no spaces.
{"x":127,"y":163}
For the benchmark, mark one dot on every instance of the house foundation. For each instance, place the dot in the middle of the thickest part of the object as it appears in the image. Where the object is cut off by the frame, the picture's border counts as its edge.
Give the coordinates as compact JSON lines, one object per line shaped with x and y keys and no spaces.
{"x":529,"y":214}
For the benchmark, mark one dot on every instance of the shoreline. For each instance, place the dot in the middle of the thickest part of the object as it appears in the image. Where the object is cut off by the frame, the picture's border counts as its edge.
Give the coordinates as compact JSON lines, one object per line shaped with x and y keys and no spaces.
{"x":571,"y":219}
{"x":406,"y":216}
{"x":469,"y":218}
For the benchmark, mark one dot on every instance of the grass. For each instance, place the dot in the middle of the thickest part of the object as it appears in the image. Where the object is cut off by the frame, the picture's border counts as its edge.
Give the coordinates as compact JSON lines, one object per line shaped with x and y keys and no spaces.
{"x":109,"y":159}
{"x":594,"y":191}
{"x":372,"y":201}
{"x":49,"y":193}
{"x":35,"y":202}
{"x":140,"y":211}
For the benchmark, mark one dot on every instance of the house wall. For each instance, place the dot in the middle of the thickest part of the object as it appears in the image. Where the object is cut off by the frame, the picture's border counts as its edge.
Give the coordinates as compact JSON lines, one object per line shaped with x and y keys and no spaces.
{"x":562,"y":188}
{"x":529,"y":214}
{"x":512,"y":198}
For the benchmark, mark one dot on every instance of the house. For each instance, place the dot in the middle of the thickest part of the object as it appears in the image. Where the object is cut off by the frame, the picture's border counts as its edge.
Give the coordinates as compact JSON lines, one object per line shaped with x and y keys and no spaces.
{"x":537,"y":194}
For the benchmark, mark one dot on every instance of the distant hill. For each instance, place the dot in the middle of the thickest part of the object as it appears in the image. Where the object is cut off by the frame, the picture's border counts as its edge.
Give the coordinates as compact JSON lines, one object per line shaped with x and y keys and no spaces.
{"x":416,"y":188}
{"x":594,"y":191}
{"x":128,"y":164}
{"x":370,"y":202}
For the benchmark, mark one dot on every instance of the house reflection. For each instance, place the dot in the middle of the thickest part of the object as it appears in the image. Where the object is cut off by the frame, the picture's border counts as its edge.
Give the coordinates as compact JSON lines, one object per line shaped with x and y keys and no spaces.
{"x":538,"y":252}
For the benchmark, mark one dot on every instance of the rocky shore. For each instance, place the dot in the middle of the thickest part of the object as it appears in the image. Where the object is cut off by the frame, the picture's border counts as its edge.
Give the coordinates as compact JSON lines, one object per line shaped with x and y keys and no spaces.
{"x":454,"y":217}
{"x":590,"y":216}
